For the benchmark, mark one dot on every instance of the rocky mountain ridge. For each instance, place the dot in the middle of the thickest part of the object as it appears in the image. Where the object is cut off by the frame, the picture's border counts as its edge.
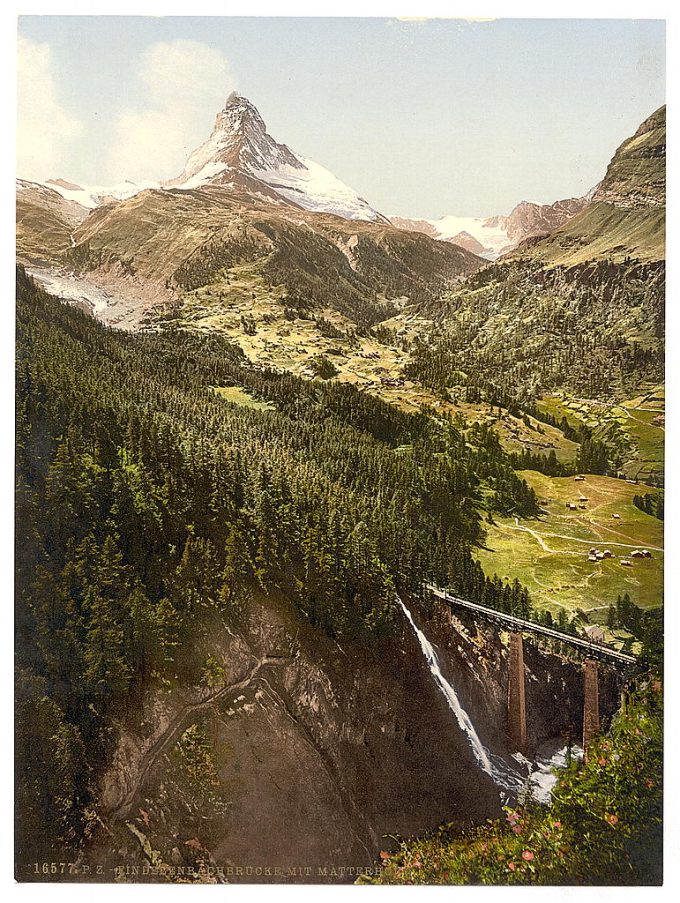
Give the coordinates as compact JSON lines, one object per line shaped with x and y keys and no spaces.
{"x":636,"y":176}
{"x":626,"y":218}
{"x":491,"y":237}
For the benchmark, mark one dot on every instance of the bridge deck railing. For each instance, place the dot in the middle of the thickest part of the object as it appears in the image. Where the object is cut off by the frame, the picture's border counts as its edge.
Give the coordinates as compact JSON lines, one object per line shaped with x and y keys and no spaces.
{"x":597,"y":650}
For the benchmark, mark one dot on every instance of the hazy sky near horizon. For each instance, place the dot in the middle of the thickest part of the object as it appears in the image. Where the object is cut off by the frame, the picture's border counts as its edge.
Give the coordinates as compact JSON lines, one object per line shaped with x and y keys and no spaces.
{"x":422,"y":118}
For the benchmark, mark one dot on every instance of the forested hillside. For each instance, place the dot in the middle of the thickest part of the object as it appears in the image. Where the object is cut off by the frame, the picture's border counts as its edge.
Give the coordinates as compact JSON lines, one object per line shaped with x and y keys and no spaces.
{"x":596,"y":329}
{"x":169,"y":506}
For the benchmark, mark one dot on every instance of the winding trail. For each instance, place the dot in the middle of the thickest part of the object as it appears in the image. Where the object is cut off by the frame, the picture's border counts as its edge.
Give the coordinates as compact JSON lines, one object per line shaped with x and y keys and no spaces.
{"x":647,"y":423}
{"x":540,"y":540}
{"x":172,"y":731}
{"x":588,"y":542}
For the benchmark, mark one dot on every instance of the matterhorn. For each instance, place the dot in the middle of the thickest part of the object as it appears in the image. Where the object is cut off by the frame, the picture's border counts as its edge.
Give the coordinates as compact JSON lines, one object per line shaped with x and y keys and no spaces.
{"x":241,"y":154}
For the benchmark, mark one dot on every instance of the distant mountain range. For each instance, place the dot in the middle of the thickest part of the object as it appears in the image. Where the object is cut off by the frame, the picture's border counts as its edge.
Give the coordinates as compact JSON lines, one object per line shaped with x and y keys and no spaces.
{"x":493,"y":236}
{"x":242,"y":200}
{"x":240,"y":155}
{"x":245,"y":199}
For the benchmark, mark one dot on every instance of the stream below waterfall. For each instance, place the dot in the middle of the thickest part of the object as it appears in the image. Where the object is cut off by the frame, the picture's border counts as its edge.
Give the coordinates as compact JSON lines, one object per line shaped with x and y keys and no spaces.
{"x":515,"y":775}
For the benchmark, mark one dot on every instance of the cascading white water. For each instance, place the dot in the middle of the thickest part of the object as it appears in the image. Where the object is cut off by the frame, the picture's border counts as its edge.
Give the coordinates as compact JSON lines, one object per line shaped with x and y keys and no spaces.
{"x":496,"y":768}
{"x":454,"y":704}
{"x":550,"y":759}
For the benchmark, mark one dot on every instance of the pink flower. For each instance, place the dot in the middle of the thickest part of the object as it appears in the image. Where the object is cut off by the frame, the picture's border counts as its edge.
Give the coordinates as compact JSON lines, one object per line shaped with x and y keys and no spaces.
{"x":557,"y":824}
{"x":512,"y":866}
{"x":516,"y":829}
{"x":527,"y":855}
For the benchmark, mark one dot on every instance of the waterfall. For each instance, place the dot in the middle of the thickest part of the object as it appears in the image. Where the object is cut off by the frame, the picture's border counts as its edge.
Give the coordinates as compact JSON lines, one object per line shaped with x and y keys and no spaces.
{"x":496,"y":768}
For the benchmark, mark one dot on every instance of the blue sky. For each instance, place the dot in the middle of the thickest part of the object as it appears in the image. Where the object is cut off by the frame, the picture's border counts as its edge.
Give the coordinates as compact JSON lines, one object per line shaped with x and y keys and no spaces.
{"x":421,"y":118}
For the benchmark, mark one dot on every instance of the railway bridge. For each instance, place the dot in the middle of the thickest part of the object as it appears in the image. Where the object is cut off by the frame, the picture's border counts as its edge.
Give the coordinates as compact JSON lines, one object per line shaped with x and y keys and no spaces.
{"x":594,"y":653}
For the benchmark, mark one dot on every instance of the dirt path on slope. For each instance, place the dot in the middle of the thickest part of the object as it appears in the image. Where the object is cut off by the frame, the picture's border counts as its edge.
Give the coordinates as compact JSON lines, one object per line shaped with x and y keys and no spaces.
{"x":170,"y":734}
{"x":540,"y":539}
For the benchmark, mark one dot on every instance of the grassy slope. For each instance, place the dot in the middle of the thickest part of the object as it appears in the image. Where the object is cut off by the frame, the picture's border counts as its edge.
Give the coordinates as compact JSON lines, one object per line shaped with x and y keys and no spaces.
{"x":42,"y":235}
{"x":237,"y":395}
{"x":640,"y":423}
{"x":550,"y":554}
{"x":604,"y":231}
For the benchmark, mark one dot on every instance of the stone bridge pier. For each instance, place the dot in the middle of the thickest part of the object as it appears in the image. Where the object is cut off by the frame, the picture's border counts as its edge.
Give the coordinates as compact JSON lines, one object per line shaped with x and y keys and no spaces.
{"x":517,"y":709}
{"x":591,"y":704}
{"x":517,"y":706}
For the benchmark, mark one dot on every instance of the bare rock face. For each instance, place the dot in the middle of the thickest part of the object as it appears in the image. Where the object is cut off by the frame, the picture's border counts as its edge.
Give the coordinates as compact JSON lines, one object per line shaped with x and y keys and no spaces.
{"x":240,"y":140}
{"x":425,"y":227}
{"x":493,"y":236}
{"x":528,"y":219}
{"x":317,"y":751}
{"x":469,"y":242}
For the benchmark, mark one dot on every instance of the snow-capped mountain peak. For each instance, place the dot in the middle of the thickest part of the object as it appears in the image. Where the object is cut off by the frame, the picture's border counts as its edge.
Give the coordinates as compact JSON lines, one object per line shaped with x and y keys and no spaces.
{"x":240,"y":154}
{"x":241,"y":150}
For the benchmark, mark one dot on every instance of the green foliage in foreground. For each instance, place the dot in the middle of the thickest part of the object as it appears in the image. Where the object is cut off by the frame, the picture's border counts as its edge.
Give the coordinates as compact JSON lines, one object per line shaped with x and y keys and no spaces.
{"x":603,"y":825}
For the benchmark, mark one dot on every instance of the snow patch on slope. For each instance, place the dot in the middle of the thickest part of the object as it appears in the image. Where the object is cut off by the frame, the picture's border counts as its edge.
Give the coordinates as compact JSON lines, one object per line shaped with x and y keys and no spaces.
{"x":92,"y":196}
{"x":313,"y":187}
{"x":204,"y":176}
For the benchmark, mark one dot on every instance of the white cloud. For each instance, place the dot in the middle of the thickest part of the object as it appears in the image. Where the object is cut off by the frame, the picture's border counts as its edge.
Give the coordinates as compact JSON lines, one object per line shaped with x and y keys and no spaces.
{"x":45,"y":129}
{"x":182,"y":86}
